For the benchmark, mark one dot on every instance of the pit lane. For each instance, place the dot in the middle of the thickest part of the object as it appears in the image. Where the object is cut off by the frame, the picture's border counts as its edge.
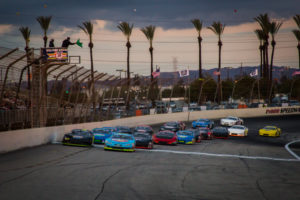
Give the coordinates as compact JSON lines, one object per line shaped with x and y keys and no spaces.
{"x":61,"y":172}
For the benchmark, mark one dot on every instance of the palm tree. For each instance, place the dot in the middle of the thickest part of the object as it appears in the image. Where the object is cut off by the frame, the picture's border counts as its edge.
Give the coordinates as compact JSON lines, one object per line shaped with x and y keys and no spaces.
{"x":260,"y":36}
{"x":44,"y":22}
{"x":198,"y":26}
{"x":88,"y":29}
{"x":264,"y":22}
{"x":297,"y":35}
{"x":149,"y":33}
{"x":25,"y":31}
{"x":297,"y":20}
{"x":127,"y":30}
{"x":218,"y":29}
{"x":274,"y":28}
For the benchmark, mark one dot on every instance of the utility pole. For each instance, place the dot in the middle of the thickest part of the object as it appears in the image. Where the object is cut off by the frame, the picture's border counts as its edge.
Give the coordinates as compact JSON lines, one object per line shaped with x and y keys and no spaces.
{"x":241,"y":72}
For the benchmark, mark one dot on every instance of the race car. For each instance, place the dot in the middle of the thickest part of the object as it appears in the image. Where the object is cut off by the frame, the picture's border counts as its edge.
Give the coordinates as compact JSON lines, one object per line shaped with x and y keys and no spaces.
{"x":238,"y":130}
{"x":173,"y":126}
{"x":230,"y":121}
{"x":220,"y":132}
{"x":78,"y":137}
{"x":186,"y":137}
{"x":143,"y":140}
{"x":101,"y":134}
{"x":123,"y":129}
{"x":165,"y":137}
{"x":203,"y":123}
{"x":120,"y":142}
{"x":205,"y":133}
{"x":144,"y":129}
{"x":271,"y":131}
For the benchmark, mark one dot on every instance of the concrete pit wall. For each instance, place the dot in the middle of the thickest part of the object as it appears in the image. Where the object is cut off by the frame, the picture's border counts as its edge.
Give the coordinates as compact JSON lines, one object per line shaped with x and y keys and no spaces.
{"x":18,"y":139}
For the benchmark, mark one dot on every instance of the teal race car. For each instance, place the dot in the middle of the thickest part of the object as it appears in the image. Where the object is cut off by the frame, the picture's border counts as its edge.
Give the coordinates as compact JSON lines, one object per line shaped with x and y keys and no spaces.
{"x":120,"y":142}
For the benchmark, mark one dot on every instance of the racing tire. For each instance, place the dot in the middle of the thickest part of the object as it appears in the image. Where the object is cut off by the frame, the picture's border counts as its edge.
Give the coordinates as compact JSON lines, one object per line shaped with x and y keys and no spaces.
{"x":150,"y":145}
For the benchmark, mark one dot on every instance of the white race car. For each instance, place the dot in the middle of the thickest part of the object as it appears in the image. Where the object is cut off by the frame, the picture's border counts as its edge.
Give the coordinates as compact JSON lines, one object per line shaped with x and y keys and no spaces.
{"x":238,"y":130}
{"x":230,"y":121}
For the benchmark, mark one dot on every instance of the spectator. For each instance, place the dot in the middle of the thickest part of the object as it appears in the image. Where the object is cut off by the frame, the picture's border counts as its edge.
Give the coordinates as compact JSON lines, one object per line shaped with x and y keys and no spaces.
{"x":67,"y":42}
{"x":51,"y":43}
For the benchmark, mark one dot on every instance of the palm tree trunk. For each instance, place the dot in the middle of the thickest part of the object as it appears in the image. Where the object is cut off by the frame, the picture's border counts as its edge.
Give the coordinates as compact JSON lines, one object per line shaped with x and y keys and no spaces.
{"x":219,"y":70}
{"x":299,"y":54}
{"x":261,"y":60}
{"x":45,"y":41}
{"x":128,"y":70}
{"x":267,"y":59}
{"x":92,"y":76}
{"x":272,"y":57}
{"x":200,"y":57}
{"x":151,"y":56}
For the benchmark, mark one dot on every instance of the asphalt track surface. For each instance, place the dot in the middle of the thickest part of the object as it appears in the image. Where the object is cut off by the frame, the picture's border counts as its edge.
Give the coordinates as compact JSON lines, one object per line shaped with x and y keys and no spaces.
{"x":256,"y":168}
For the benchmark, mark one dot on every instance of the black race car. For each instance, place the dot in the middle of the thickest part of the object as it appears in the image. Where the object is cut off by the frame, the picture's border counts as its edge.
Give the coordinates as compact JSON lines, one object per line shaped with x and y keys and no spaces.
{"x":220,"y":132}
{"x":172,"y":126}
{"x":78,"y":137}
{"x":143,"y":140}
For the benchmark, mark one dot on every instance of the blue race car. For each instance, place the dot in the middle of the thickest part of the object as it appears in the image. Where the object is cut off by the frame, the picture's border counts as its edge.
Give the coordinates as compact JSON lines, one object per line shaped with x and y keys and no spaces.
{"x":203,"y":123}
{"x":101,"y":134}
{"x":120,"y":142}
{"x":186,"y":137}
{"x":78,"y":137}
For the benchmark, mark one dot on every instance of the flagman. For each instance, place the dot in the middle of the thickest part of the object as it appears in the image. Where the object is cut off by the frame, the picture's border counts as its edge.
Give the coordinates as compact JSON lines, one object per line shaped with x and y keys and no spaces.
{"x":67,"y":42}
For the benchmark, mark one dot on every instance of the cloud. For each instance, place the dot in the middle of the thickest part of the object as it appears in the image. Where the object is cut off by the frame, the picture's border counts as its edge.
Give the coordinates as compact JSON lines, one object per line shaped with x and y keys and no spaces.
{"x":6,"y":28}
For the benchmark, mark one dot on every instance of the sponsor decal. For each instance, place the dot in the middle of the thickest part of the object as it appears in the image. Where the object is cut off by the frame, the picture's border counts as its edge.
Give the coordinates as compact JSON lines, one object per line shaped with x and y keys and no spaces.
{"x":282,"y":110}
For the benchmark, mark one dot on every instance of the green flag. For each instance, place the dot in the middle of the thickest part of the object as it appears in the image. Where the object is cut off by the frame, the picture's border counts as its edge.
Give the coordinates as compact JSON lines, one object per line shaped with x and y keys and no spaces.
{"x":79,"y":43}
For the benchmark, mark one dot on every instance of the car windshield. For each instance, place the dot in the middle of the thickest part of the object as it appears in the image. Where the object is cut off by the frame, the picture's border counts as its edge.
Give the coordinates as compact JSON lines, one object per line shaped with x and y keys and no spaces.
{"x":170,"y":134}
{"x":231,"y":118}
{"x":171,"y":124}
{"x":142,"y":128}
{"x":143,"y":135}
{"x":81,"y":133}
{"x":219,"y":129}
{"x":185,"y":133}
{"x":101,"y":131}
{"x":203,"y":131}
{"x":269,"y":128}
{"x":202,"y":120}
{"x":238,"y":127}
{"x":120,"y":136}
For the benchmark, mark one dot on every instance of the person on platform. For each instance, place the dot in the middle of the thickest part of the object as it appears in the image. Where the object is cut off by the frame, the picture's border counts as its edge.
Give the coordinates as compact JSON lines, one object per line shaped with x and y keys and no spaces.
{"x":67,"y":42}
{"x":51,"y":43}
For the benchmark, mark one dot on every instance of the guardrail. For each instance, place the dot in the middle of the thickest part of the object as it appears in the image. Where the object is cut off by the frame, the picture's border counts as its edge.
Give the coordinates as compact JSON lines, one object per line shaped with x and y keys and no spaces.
{"x":17,"y":139}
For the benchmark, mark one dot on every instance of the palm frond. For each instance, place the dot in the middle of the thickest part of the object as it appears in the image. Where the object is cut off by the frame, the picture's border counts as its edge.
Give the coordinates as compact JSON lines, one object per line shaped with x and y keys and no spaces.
{"x":149,"y":33}
{"x":44,"y":22}
{"x":274,"y":27}
{"x":126,"y":29}
{"x":260,"y":34}
{"x":87,"y":28}
{"x":297,"y":34}
{"x":198,"y":25}
{"x":25,"y":31}
{"x":297,"y":20}
{"x":217,"y":28}
{"x":264,"y":22}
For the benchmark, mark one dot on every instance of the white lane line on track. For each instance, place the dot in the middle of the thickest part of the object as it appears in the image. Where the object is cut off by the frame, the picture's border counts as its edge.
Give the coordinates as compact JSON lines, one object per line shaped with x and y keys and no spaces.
{"x":216,"y":154}
{"x":223,"y":155}
{"x":290,"y":151}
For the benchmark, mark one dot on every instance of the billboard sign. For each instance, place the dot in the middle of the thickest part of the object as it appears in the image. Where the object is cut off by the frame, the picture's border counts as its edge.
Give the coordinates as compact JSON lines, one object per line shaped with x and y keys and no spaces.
{"x":55,"y":54}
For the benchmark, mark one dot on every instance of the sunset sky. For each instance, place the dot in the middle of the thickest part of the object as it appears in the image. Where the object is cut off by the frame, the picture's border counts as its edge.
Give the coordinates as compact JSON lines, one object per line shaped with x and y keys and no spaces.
{"x":175,"y":37}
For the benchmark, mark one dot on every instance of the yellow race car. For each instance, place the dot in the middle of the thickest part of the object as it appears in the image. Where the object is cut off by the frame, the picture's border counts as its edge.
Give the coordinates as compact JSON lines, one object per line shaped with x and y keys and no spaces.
{"x":271,"y":131}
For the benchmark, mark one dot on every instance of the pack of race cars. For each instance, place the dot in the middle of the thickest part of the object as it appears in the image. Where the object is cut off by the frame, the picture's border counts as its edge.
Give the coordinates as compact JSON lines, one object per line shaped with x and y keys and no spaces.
{"x":124,"y":138}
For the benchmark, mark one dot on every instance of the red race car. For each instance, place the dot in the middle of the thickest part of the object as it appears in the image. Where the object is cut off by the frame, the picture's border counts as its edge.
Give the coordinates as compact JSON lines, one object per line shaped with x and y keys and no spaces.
{"x":165,"y":137}
{"x":205,"y":133}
